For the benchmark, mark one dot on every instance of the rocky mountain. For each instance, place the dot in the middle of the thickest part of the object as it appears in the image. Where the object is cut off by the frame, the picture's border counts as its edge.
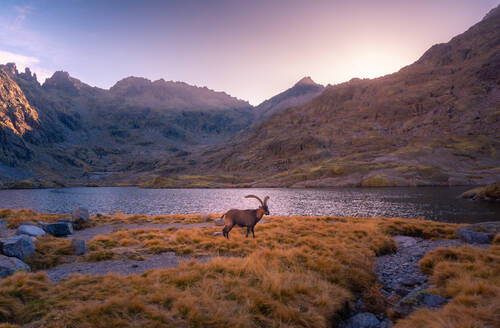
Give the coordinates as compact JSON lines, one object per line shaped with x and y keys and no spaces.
{"x":66,"y":130}
{"x":302,"y":92}
{"x":434,"y":122}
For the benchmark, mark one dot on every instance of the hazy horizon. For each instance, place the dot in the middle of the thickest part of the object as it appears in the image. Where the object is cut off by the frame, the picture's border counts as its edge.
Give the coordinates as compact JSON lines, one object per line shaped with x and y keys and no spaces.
{"x":252,"y":51}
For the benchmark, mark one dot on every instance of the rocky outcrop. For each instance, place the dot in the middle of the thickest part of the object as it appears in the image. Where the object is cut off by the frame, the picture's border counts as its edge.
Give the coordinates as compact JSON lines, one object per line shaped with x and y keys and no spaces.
{"x":20,"y":246}
{"x":417,"y":299}
{"x":59,"y":229}
{"x":489,"y":193}
{"x":10,"y":265}
{"x":79,"y":247}
{"x":79,"y":217}
{"x":30,"y":230}
{"x":479,"y":233}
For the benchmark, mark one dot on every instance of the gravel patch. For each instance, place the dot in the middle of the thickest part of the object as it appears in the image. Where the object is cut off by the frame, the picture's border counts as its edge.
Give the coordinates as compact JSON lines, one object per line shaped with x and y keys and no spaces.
{"x":399,"y":272}
{"x":125,"y":267}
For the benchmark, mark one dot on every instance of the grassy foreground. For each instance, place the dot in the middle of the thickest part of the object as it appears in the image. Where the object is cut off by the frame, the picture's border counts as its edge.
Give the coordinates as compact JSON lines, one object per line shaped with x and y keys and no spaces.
{"x":299,"y":271}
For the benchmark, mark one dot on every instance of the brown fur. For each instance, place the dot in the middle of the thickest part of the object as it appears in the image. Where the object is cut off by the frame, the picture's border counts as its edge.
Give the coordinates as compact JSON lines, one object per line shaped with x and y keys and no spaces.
{"x":243,"y":218}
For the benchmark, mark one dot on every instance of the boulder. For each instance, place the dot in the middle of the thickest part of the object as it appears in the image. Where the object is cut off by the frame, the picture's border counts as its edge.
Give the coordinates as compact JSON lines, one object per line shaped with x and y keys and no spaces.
{"x":217,"y":233}
{"x":78,"y":246}
{"x":59,"y":228}
{"x":204,"y":217}
{"x":20,"y":246}
{"x":30,"y":230}
{"x":79,"y":217}
{"x":363,"y":320}
{"x":10,"y":265}
{"x":219,"y":222}
{"x":418,"y":298}
{"x":480,"y":233}
{"x":474,"y":237}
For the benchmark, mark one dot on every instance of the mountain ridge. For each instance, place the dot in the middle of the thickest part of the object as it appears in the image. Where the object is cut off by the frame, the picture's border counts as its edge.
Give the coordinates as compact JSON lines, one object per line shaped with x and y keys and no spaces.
{"x":434,"y":122}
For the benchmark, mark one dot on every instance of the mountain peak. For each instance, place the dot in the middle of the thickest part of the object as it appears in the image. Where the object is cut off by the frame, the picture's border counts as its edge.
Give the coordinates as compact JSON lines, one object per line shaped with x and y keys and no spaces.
{"x":63,"y":81}
{"x":492,"y":13}
{"x":306,"y":81}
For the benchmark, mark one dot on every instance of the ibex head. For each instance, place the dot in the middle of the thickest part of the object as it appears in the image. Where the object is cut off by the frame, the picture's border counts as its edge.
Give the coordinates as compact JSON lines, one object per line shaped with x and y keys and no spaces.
{"x":263,"y":204}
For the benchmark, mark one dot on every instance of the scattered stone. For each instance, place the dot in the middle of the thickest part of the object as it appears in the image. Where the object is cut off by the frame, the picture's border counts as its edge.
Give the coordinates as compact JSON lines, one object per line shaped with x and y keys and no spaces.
{"x":10,"y":265}
{"x":363,"y":320}
{"x":386,"y":323}
{"x":480,"y":233}
{"x":219,"y":222}
{"x":20,"y":246}
{"x":59,"y":228}
{"x":79,"y":246}
{"x":79,"y":217}
{"x":217,"y":233}
{"x":405,"y":241}
{"x":416,"y":299}
{"x":30,"y":230}
{"x":474,"y":236}
{"x":3,"y":223}
{"x":410,"y":281}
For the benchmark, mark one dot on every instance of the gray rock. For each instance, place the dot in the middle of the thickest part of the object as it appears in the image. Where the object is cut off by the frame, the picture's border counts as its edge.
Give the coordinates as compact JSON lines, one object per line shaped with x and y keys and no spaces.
{"x":20,"y":246}
{"x":474,"y":236}
{"x":205,"y":217}
{"x":386,"y":323}
{"x":3,"y":223}
{"x":416,"y":299}
{"x":79,"y":246}
{"x":405,"y":241}
{"x":363,"y":320}
{"x":217,"y":233}
{"x":59,"y":228}
{"x":433,"y":300}
{"x":79,"y":217}
{"x":219,"y":222}
{"x":30,"y":230}
{"x":10,"y":265}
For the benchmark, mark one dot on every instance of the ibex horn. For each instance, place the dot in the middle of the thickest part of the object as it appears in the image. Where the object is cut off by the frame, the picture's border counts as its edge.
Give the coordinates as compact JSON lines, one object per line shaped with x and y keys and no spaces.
{"x":265,"y":200}
{"x":253,"y":196}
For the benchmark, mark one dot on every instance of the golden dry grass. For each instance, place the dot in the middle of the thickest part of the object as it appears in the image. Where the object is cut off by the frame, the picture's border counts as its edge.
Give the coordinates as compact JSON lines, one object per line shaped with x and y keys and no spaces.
{"x":418,"y":228}
{"x":120,"y":218}
{"x":297,"y":272}
{"x":51,"y":251}
{"x":471,"y":278}
{"x":15,"y":218}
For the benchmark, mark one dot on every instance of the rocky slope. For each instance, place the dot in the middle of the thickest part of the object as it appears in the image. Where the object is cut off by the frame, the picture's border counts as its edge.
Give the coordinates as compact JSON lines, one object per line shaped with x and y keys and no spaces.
{"x":435,"y":122}
{"x":66,"y":130}
{"x":302,"y":92}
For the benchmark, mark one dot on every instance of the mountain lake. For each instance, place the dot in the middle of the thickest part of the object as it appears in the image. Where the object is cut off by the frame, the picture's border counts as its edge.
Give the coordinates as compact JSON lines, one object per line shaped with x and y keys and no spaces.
{"x":435,"y":203}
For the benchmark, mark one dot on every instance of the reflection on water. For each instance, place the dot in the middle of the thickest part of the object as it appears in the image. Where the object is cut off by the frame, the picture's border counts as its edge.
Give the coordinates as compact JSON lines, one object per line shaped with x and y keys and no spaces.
{"x":437,"y":203}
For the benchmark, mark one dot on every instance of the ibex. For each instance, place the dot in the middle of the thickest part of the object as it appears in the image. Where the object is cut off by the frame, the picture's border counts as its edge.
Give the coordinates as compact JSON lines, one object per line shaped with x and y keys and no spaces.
{"x":245,"y":218}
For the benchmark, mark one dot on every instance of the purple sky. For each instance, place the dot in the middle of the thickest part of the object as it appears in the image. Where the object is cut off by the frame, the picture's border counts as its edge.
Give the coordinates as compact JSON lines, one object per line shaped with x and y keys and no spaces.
{"x":250,"y":49}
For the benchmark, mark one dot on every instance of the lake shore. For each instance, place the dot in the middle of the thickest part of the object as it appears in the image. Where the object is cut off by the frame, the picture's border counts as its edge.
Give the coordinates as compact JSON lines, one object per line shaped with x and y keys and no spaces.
{"x":299,"y":271}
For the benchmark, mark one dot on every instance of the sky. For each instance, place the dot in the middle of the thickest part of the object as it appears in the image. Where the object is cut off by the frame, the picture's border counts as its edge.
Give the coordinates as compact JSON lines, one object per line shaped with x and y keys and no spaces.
{"x":250,"y":49}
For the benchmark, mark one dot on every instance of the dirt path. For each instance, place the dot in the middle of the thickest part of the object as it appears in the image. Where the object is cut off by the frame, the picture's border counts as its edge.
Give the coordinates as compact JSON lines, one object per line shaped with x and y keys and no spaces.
{"x":399,"y":272}
{"x":161,"y":261}
{"x":89,"y":233}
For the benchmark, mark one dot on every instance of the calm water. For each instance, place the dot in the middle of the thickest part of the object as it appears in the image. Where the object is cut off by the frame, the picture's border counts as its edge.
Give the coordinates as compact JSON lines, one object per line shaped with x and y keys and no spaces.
{"x":437,"y":203}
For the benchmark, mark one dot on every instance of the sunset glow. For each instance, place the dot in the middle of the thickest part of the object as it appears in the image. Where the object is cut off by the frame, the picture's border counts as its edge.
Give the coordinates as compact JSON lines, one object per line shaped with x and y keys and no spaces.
{"x":252,"y":50}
